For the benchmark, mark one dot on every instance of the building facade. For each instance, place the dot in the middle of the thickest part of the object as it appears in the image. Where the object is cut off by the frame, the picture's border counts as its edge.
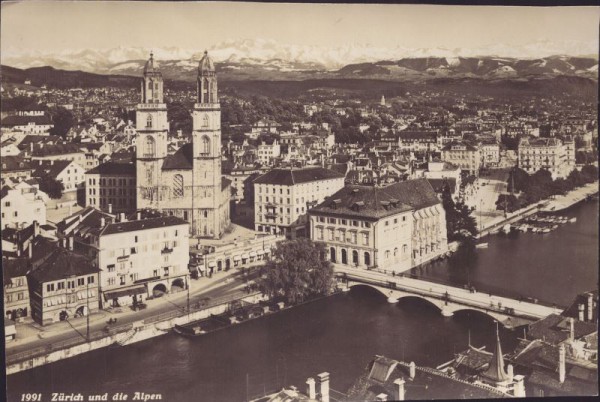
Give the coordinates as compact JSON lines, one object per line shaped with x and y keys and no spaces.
{"x":546,"y":153}
{"x":63,"y":285}
{"x":392,"y":228}
{"x":146,"y":255}
{"x":282,"y":198}
{"x":463,"y":155}
{"x":188,"y":183}
{"x":111,"y":187}
{"x":23,"y":205}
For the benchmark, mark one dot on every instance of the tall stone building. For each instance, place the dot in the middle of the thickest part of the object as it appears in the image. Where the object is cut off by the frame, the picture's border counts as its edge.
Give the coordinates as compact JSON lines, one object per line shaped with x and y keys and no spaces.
{"x":187,"y":184}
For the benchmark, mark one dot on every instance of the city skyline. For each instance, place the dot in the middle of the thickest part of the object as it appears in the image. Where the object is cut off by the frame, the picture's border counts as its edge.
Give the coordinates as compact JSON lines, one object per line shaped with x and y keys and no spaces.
{"x":527,"y":32}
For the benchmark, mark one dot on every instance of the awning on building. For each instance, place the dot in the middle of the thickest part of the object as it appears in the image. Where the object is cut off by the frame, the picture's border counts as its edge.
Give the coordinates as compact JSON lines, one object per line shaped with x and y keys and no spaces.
{"x":252,"y":254}
{"x":244,"y":256}
{"x":131,"y":291}
{"x":236,"y":258}
{"x":212,"y":264}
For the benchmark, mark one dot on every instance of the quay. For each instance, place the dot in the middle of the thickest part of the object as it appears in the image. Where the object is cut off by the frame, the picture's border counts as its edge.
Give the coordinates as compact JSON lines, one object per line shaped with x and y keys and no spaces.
{"x":556,"y":204}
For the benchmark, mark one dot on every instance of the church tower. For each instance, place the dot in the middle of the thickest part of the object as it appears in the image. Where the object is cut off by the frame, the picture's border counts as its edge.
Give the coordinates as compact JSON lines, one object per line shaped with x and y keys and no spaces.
{"x":206,"y":140}
{"x":151,"y":139}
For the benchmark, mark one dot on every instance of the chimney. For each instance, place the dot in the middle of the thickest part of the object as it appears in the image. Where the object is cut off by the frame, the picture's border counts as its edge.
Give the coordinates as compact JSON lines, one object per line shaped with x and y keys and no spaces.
{"x":561,"y":363}
{"x":510,"y":372}
{"x":71,"y":243}
{"x":110,"y":208}
{"x":400,"y":391}
{"x":519,"y":387}
{"x":381,"y":397}
{"x":590,"y":315}
{"x":31,"y":149}
{"x":571,"y":329}
{"x":102,"y":222}
{"x":412,"y":369}
{"x":31,"y":249}
{"x":324,"y":386}
{"x":581,"y":312}
{"x":311,"y":392}
{"x":36,"y":229}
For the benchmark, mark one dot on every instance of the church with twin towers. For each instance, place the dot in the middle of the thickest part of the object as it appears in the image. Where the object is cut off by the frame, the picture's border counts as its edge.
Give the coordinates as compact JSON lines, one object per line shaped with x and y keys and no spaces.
{"x":187,"y":184}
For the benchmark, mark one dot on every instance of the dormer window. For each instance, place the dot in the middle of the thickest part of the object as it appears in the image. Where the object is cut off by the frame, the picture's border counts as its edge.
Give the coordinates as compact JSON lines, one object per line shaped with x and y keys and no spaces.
{"x":357,"y":206}
{"x":386,"y":205}
{"x":336,"y":203}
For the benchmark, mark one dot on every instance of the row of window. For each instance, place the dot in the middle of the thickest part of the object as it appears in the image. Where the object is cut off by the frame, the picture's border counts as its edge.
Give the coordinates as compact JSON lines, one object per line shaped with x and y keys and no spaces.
{"x":11,"y":297}
{"x":348,"y":222}
{"x":70,"y":284}
{"x":341,"y":236}
{"x":111,"y":182}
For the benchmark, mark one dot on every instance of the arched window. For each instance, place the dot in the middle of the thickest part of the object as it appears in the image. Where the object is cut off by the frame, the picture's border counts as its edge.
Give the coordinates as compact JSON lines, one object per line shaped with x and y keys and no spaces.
{"x":396,"y":251}
{"x":404,"y":249}
{"x":149,"y":121}
{"x":178,"y":186}
{"x":205,"y":149}
{"x":149,"y":147}
{"x":367,"y":259}
{"x":205,"y":121}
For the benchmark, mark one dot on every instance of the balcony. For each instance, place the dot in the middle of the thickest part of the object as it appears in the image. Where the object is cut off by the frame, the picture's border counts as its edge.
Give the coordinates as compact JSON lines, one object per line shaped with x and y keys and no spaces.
{"x":271,"y":215}
{"x":166,"y":250}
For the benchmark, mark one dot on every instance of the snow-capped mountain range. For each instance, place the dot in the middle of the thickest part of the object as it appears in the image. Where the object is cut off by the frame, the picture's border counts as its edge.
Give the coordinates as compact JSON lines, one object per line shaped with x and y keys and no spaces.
{"x":251,"y":57}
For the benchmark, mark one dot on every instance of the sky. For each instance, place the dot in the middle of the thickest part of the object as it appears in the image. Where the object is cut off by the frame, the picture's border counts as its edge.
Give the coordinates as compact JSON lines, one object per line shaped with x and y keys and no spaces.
{"x":52,"y":26}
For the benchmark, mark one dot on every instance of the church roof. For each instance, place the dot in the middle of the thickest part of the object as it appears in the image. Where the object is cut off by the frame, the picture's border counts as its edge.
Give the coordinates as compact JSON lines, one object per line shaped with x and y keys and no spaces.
{"x":181,"y":159}
{"x":206,"y":64}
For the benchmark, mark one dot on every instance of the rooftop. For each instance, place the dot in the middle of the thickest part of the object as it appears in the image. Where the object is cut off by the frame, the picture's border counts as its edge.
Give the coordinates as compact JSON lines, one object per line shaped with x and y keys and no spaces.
{"x":378,"y":202}
{"x":427,"y":383}
{"x":289,"y":177}
{"x":114,"y":168}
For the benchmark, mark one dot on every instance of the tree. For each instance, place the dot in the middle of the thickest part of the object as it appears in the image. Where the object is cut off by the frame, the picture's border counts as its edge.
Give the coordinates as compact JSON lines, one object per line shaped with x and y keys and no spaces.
{"x":459,"y":221}
{"x":297,"y":271}
{"x":589,"y":173}
{"x":52,"y":187}
{"x":508,"y":201}
{"x":62,"y":120}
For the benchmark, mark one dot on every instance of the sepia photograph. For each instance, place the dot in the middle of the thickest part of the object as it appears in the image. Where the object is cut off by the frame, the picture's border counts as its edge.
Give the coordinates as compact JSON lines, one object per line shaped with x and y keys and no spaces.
{"x":208,"y":201}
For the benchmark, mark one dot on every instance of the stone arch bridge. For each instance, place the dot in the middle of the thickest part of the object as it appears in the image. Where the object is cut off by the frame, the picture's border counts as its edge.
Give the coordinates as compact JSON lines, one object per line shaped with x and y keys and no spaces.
{"x":448,"y":299}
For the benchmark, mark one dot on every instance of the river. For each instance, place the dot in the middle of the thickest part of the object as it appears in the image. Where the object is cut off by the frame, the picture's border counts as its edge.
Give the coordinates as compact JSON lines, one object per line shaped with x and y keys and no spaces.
{"x":339,"y":334}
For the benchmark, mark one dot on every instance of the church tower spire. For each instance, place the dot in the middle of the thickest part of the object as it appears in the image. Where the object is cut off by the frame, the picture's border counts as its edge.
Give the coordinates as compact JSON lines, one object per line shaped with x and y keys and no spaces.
{"x":206,"y":143}
{"x":151,"y":136}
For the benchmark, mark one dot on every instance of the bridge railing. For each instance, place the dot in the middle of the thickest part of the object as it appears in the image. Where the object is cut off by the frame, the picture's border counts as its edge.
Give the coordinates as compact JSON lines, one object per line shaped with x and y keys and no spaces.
{"x":390,"y":284}
{"x":478,"y":286}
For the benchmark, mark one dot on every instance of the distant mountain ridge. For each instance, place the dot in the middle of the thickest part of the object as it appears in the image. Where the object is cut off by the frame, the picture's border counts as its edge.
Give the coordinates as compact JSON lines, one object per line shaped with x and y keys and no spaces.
{"x":269,"y":59}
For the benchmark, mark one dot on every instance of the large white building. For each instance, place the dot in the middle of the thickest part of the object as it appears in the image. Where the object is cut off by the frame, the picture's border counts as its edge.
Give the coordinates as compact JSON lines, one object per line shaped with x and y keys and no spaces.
{"x":391,"y":228}
{"x":144,"y":256}
{"x":268,"y":152}
{"x":22,"y":205}
{"x":188,"y":183}
{"x":282,"y":198}
{"x":547,"y":153}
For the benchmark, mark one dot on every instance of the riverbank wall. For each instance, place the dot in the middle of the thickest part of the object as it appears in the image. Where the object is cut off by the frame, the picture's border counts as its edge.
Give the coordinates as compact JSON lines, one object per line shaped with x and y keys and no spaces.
{"x":136,"y":332}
